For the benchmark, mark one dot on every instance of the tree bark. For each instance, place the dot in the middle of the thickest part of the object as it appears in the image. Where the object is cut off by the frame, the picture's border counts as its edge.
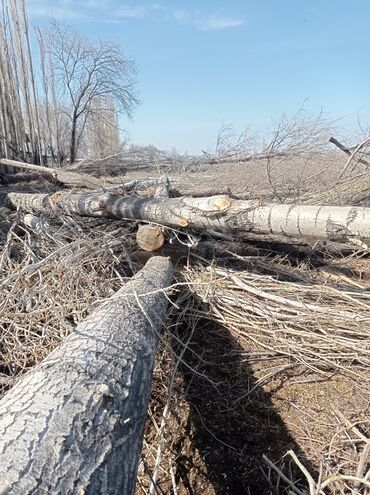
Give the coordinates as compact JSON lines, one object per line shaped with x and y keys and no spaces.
{"x":218,"y":213}
{"x":74,"y":423}
{"x":72,"y":146}
{"x":157,"y":188}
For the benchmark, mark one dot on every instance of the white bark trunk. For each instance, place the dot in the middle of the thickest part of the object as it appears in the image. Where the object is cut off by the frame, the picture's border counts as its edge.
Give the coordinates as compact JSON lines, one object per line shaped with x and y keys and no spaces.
{"x":218,"y":213}
{"x":74,"y":424}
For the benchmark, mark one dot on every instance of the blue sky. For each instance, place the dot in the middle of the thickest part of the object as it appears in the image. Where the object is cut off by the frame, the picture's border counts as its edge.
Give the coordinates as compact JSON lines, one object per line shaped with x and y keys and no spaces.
{"x":242,"y":62}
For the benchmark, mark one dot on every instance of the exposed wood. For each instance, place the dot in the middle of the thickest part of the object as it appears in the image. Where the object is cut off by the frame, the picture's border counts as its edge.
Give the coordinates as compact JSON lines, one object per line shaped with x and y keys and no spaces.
{"x":218,"y":213}
{"x":63,"y":176}
{"x":149,"y":237}
{"x":5,"y":212}
{"x":75,"y":422}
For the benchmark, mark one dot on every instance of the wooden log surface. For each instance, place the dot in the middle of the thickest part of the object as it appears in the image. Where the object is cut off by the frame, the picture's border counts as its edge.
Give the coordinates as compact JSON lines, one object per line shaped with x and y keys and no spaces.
{"x":217,"y":213}
{"x":157,"y":188}
{"x":149,"y":237}
{"x":74,"y":423}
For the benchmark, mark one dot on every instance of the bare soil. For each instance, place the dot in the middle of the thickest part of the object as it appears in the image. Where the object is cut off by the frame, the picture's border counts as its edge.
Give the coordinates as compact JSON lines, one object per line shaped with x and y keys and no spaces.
{"x":215,"y":439}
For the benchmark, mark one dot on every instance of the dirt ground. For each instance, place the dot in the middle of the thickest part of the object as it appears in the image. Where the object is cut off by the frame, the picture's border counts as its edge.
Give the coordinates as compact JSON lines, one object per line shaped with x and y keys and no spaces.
{"x":215,"y":439}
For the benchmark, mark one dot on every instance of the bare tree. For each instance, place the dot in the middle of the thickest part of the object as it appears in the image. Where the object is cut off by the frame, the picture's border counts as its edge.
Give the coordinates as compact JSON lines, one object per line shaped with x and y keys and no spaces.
{"x":86,"y":72}
{"x":20,"y":123}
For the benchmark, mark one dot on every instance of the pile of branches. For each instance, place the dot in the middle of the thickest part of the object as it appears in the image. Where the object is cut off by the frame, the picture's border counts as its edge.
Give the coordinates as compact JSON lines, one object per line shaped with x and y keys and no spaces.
{"x":349,"y":191}
{"x":322,"y":327}
{"x":51,"y":279}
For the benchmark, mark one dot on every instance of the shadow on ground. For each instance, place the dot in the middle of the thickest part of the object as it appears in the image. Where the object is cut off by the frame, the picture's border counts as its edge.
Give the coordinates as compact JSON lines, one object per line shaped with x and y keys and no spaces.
{"x":230,"y":433}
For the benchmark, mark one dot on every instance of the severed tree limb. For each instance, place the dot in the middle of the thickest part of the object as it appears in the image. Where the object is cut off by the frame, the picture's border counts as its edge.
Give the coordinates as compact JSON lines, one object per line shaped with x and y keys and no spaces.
{"x":63,"y":176}
{"x":75,"y":422}
{"x":157,"y":188}
{"x":149,"y":237}
{"x":364,"y":143}
{"x":347,"y":151}
{"x":218,"y":213}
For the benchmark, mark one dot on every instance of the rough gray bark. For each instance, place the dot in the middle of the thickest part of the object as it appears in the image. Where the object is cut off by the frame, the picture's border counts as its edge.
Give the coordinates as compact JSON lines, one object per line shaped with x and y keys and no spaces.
{"x":74,"y":424}
{"x":218,"y":213}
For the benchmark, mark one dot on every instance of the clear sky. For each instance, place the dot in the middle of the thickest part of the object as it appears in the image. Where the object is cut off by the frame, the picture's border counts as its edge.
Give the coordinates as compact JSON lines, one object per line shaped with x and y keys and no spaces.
{"x":202,"y":63}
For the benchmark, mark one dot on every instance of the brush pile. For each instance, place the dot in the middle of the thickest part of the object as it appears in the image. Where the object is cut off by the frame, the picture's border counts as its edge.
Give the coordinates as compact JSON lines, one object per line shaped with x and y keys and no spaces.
{"x":350,"y":191}
{"x":51,"y":279}
{"x":323,"y":327}
{"x":262,"y":353}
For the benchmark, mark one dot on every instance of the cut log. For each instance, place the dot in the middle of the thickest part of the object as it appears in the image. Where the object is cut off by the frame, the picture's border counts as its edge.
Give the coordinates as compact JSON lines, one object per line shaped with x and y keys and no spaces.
{"x":5,"y":212}
{"x":218,"y":213}
{"x":149,"y":237}
{"x":36,"y":223}
{"x":62,"y":176}
{"x":74,"y":423}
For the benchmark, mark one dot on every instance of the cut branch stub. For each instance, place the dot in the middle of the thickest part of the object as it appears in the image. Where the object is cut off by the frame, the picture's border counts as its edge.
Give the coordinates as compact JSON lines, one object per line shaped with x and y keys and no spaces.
{"x":75,"y":422}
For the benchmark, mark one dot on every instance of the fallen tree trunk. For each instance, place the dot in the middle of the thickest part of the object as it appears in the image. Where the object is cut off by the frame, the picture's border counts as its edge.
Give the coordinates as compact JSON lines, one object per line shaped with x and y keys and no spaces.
{"x":218,"y":213}
{"x":74,"y":423}
{"x":62,"y":176}
{"x":157,"y":188}
{"x":24,"y":177}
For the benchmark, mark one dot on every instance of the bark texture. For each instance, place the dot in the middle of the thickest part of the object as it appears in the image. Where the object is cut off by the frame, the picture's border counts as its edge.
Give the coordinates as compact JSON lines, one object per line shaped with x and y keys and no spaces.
{"x":218,"y":213}
{"x":74,"y":424}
